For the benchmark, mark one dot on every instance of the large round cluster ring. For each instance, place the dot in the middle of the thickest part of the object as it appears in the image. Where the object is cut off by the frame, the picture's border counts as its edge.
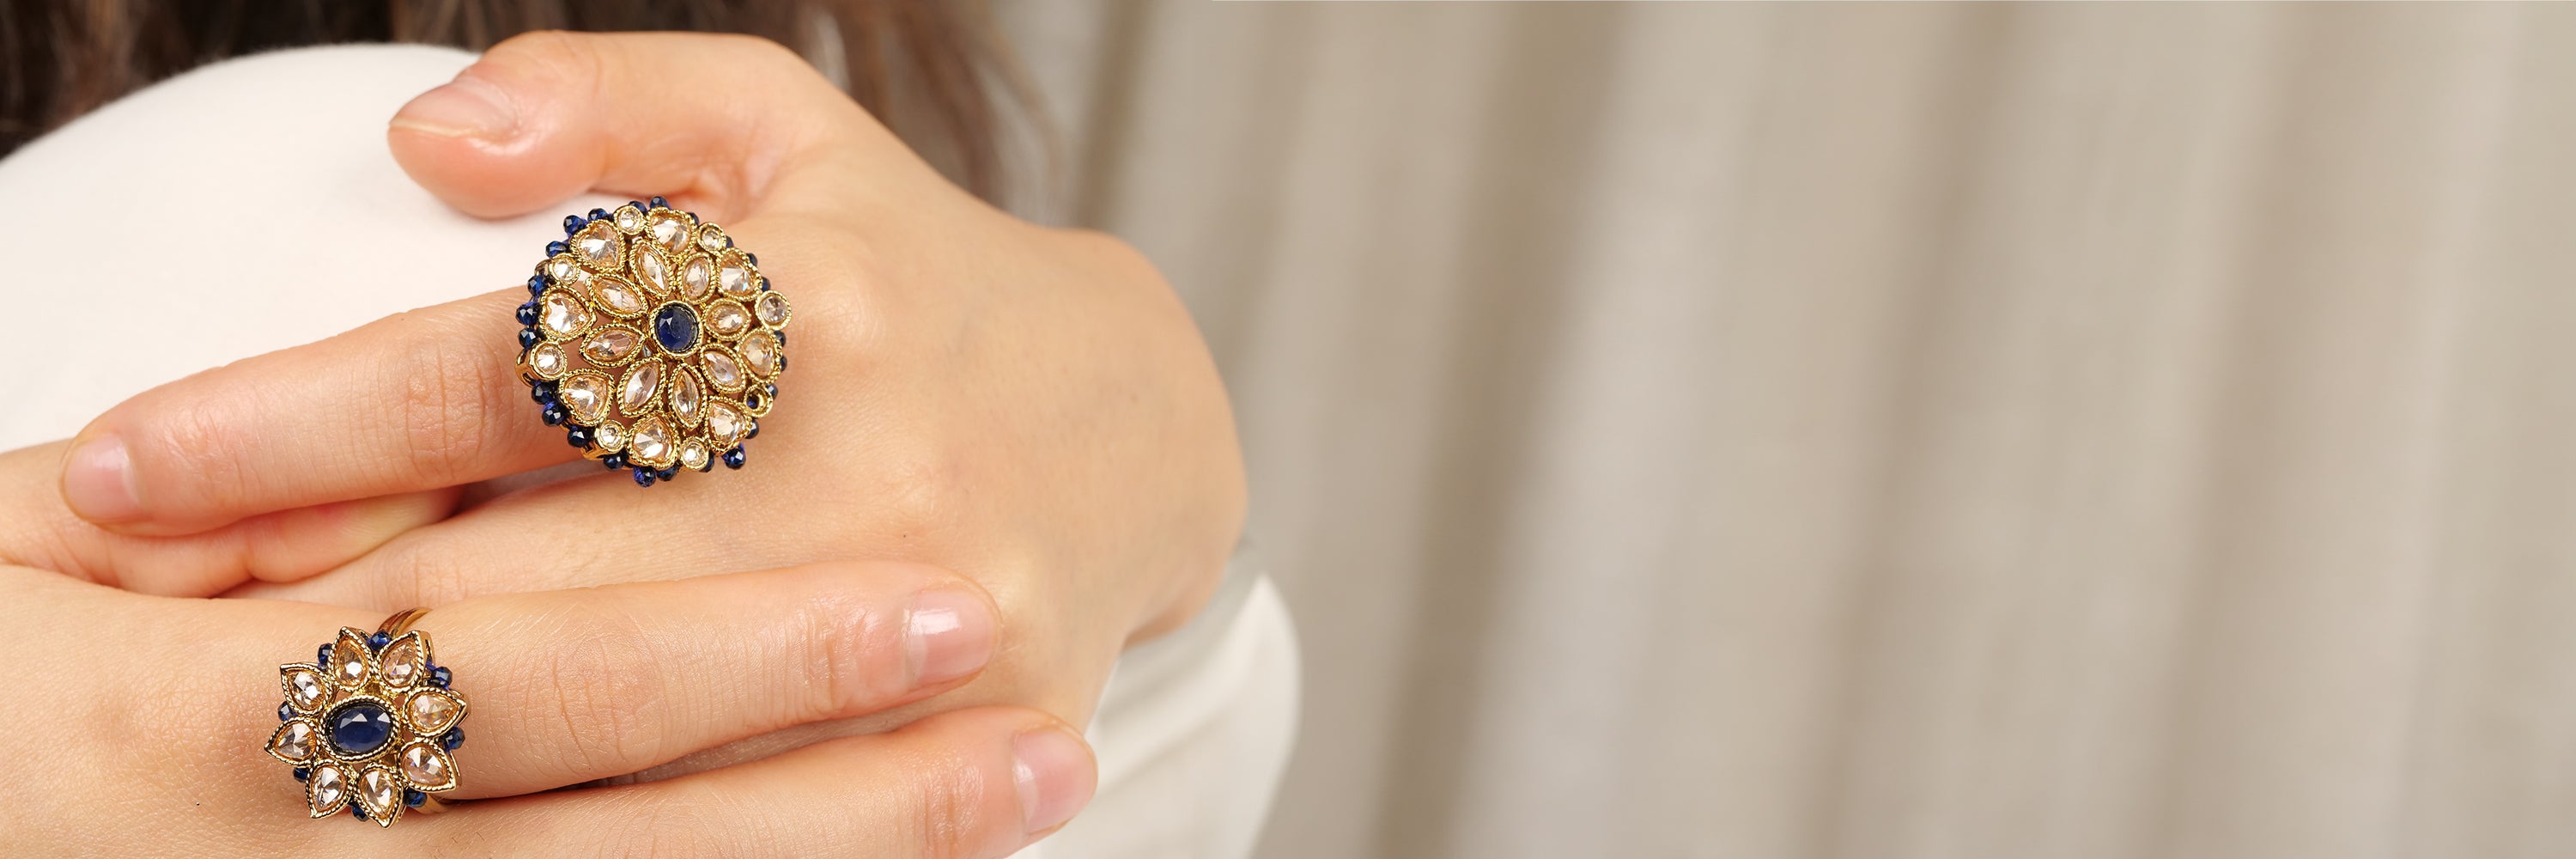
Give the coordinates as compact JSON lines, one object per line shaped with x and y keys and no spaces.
{"x":370,"y":723}
{"x":654,"y":338}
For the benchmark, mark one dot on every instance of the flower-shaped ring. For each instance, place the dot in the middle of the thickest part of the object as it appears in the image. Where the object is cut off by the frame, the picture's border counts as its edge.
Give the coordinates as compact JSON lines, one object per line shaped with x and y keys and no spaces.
{"x":654,"y":338}
{"x":370,"y":723}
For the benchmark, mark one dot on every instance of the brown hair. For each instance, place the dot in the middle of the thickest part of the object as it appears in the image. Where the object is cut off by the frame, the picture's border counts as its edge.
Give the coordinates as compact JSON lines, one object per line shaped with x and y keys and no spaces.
{"x":922,"y":66}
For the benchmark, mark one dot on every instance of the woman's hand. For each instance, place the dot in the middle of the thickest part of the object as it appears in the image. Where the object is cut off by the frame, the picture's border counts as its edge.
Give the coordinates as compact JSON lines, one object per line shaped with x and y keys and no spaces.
{"x":137,"y":723}
{"x":1029,"y":406}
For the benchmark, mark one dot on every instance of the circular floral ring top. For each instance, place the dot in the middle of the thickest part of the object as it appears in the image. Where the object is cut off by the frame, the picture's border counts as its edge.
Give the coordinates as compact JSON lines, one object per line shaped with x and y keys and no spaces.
{"x":654,"y":339}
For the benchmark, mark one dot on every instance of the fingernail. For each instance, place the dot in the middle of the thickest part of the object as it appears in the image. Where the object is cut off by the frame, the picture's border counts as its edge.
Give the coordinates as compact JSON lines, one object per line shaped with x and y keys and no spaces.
{"x":98,"y":482}
{"x":464,"y":107}
{"x":947,"y":634}
{"x":1055,"y":776}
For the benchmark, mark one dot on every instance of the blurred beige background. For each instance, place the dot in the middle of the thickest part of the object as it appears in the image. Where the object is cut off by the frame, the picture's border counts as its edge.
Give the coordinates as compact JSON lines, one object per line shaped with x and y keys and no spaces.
{"x":1883,"y":431}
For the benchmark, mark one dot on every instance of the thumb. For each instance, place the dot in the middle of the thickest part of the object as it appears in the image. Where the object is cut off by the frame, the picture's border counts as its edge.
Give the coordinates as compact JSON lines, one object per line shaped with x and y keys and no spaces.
{"x":712,"y":119}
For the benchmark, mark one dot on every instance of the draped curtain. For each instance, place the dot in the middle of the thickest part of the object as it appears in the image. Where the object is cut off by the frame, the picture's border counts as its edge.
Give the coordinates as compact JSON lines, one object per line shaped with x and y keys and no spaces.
{"x":1881,"y":431}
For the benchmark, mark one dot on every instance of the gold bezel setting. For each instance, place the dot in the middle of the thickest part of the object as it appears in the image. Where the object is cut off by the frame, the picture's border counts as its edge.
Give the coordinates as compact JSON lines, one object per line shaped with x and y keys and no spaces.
{"x":662,"y":277}
{"x":397,"y":677}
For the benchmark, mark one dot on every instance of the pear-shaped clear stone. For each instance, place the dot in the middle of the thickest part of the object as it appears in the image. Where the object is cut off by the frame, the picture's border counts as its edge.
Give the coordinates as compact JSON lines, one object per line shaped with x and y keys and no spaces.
{"x":431,"y":711}
{"x":547,"y":361}
{"x":711,"y":238}
{"x":585,"y":395}
{"x":696,"y":278}
{"x":669,"y":229}
{"x":597,"y":246}
{"x":652,"y":443}
{"x":329,"y":785}
{"x":724,"y":421}
{"x":616,"y":296}
{"x":693,"y":455}
{"x":401,"y":661}
{"x":424,"y":766}
{"x":628,"y":218}
{"x":561,"y":314}
{"x":380,"y":791}
{"x":304,"y":688}
{"x":733,"y":275}
{"x":652,"y":269}
{"x":636,"y":396}
{"x":348,"y":664}
{"x":685,"y":397}
{"x":293,"y":741}
{"x":611,"y":346}
{"x":772,"y":309}
{"x":728,"y":319}
{"x":760,"y":354}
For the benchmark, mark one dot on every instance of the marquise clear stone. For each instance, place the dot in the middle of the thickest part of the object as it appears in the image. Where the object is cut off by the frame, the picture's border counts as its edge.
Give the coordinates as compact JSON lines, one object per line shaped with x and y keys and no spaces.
{"x":423,"y":766}
{"x":611,"y":346}
{"x":684,"y":397}
{"x":617,"y":296}
{"x":722,"y":371}
{"x":641,"y":382}
{"x":561,"y":314}
{"x":652,"y":268}
{"x":728,"y":319}
{"x":431,"y":711}
{"x":304,"y":689}
{"x":328,"y":784}
{"x":760,"y":353}
{"x":585,"y":395}
{"x":772,"y":308}
{"x":694,"y":276}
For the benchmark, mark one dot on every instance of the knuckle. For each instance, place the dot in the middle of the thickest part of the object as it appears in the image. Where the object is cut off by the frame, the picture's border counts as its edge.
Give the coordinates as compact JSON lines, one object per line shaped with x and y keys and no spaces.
{"x":851,"y":660}
{"x":948,"y":811}
{"x":446,"y":409}
{"x":203,"y":433}
{"x":609,"y":694}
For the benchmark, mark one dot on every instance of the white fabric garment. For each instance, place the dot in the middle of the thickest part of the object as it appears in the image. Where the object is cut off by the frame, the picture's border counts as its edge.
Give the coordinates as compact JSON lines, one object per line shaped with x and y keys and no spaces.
{"x":251,"y":206}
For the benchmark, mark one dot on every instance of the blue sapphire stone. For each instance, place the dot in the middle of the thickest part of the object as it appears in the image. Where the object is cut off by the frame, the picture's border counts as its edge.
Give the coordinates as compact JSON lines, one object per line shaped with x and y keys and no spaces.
{"x":378,"y":641}
{"x":643,"y":476}
{"x":572,"y":224}
{"x":614,"y":461}
{"x":596,"y":214}
{"x":414,"y":798}
{"x":754,"y":432}
{"x":675,"y":327}
{"x":355,"y":811}
{"x":439,"y":676}
{"x":322,"y":657}
{"x":666,"y":474}
{"x":284,"y":712}
{"x":578,"y":436}
{"x":554,"y":415}
{"x":733,"y":458}
{"x":528,"y":338}
{"x":553,"y":248}
{"x":454,"y":737}
{"x":528,"y":313}
{"x":360,"y":728}
{"x":302,"y":773}
{"x":660,"y":203}
{"x":542,"y":391}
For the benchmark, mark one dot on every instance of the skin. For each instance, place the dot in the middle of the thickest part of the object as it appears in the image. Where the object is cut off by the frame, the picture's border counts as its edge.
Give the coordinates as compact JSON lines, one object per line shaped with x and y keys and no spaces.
{"x":1030,"y":407}
{"x":128,"y":729}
